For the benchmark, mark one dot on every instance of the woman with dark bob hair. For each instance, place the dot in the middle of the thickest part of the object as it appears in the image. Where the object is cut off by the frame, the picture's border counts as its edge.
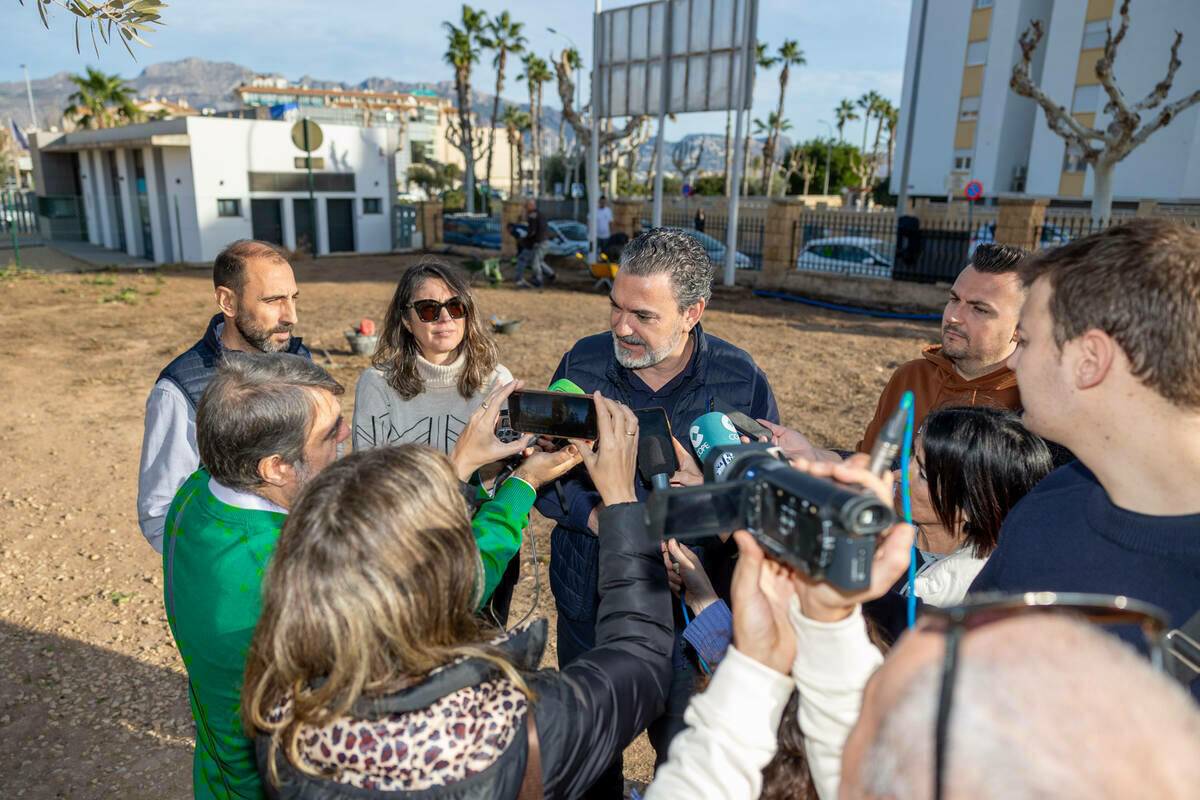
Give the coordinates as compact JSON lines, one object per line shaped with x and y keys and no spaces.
{"x":434,"y":364}
{"x":970,"y":466}
{"x":369,"y":675}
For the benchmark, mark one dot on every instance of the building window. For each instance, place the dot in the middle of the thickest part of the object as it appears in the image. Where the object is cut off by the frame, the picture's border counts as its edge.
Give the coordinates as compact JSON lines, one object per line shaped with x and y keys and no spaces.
{"x":977,"y":53}
{"x":983,"y":3}
{"x":968,"y":109}
{"x":1073,"y":161}
{"x":962,"y":160}
{"x":372,"y":205}
{"x":1095,"y":34}
{"x":1087,"y":99}
{"x":229,"y":208}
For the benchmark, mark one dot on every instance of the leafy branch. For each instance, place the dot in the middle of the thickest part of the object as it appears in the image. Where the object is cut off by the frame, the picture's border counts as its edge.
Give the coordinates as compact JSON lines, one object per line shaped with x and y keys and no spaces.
{"x":127,"y":16}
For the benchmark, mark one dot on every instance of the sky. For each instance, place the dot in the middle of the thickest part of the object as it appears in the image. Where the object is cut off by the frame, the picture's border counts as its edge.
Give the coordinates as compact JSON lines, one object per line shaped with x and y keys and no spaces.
{"x":851,"y":46}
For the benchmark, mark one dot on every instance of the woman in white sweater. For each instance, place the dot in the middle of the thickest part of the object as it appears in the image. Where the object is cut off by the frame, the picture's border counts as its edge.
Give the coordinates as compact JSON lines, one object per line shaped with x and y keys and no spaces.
{"x":970,"y":466}
{"x":434,"y":365}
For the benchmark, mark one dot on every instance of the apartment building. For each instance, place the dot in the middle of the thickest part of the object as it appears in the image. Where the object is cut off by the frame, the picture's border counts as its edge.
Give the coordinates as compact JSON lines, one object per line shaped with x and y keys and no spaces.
{"x":970,"y":124}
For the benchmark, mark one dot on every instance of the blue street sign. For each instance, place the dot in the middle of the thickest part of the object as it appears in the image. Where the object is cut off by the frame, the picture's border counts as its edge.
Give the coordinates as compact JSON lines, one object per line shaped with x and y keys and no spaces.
{"x":686,"y":189}
{"x":973,"y":190}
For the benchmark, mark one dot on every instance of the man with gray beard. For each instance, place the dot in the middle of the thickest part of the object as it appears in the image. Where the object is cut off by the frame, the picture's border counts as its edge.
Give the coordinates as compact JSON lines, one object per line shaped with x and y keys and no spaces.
{"x":256,"y":296}
{"x":655,"y":355}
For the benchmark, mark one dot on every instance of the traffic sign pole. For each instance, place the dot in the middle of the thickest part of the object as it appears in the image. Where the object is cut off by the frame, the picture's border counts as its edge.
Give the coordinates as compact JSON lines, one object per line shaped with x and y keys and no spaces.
{"x":312,"y":203}
{"x":973,"y":191}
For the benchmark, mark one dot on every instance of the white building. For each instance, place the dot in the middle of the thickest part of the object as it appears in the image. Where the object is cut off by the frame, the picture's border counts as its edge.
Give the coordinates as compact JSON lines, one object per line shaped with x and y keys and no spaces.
{"x":969,"y":122}
{"x":182,"y":189}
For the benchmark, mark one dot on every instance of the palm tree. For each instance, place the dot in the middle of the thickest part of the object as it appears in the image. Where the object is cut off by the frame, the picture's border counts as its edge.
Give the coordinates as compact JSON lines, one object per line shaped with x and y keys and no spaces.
{"x":503,"y":36}
{"x":512,"y":127}
{"x":537,"y":72}
{"x":892,"y":119}
{"x":462,"y":53}
{"x":869,"y":103}
{"x":844,"y":113}
{"x":763,"y":61}
{"x":100,"y":99}
{"x":773,"y":123}
{"x":790,"y":55}
{"x":524,"y":122}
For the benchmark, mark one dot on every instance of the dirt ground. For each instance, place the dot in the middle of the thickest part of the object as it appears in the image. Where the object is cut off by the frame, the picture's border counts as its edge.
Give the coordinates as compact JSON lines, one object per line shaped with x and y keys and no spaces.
{"x":92,"y":691}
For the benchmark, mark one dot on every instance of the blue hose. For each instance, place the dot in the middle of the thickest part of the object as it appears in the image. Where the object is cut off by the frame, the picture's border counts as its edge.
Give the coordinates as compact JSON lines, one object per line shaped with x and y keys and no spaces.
{"x":848,"y":309}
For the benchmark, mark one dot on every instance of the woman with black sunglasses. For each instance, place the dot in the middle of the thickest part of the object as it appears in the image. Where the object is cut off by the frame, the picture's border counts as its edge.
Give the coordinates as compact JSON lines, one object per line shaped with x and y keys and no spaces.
{"x":434,"y":365}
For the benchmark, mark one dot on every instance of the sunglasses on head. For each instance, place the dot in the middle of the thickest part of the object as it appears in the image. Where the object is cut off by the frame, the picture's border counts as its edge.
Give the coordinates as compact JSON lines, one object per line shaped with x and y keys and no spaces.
{"x":430,"y":310}
{"x":956,"y":622}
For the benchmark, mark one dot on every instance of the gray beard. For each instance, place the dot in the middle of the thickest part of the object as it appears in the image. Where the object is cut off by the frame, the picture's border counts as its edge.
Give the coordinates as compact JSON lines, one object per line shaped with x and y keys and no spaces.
{"x":650,"y":357}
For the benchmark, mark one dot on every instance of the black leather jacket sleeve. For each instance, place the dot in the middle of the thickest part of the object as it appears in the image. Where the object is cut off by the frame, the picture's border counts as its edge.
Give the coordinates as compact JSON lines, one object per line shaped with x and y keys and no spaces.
{"x":590,"y":711}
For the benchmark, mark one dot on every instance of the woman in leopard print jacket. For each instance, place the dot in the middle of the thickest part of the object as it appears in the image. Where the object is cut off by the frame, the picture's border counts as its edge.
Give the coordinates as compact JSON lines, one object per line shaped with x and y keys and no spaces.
{"x":369,"y":675}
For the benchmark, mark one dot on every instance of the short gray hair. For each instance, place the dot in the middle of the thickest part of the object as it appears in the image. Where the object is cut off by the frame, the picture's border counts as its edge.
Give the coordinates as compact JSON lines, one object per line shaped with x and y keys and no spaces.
{"x":254,"y":407}
{"x":677,"y":253}
{"x":1053,"y":707}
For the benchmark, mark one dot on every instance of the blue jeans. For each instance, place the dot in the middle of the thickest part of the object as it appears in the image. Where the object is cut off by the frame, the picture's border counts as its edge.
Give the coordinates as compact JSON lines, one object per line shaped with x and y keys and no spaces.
{"x":534,"y":257}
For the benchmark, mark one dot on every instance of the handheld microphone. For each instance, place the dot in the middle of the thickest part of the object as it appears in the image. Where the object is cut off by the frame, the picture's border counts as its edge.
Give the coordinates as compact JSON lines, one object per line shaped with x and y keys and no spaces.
{"x":710,"y":430}
{"x":887,"y":444}
{"x":654,"y":462}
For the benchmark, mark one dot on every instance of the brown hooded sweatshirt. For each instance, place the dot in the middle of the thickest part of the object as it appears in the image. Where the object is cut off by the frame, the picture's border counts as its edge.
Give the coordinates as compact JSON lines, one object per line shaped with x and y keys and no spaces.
{"x":934,"y":384}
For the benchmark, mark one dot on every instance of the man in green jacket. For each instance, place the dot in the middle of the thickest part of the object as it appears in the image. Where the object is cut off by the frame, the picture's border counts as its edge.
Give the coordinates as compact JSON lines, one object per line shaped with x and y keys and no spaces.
{"x":265,"y":426}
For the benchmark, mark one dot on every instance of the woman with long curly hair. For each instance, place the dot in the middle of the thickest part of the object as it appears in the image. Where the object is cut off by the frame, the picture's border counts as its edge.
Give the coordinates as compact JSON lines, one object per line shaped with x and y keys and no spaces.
{"x":434,"y":364}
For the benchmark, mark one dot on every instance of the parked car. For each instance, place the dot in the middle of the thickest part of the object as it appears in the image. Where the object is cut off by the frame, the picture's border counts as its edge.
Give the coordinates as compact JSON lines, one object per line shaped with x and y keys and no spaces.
{"x":1052,"y":236}
{"x":713,"y":246}
{"x":472,"y":230}
{"x":857,"y":255}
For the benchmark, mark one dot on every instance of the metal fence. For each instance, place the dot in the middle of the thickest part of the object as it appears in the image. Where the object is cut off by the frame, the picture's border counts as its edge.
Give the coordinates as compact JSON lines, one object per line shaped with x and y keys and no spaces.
{"x":750,"y":232}
{"x":873,"y":244}
{"x":18,"y":210}
{"x":554,"y":208}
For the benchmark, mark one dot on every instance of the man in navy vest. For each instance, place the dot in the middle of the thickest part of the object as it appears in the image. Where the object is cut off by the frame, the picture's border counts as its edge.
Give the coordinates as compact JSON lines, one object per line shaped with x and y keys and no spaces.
{"x":655,"y":355}
{"x":256,"y":294}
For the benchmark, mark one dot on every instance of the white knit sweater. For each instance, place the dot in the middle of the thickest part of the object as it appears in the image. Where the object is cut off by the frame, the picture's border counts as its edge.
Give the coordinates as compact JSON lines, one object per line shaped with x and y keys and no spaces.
{"x":434,"y":417}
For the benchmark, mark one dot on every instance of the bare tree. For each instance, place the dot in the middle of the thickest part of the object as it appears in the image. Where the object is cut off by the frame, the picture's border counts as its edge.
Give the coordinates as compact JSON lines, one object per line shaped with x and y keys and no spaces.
{"x":631,"y":147}
{"x":1103,"y":149}
{"x":799,"y":161}
{"x":686,"y":155}
{"x":579,"y":122}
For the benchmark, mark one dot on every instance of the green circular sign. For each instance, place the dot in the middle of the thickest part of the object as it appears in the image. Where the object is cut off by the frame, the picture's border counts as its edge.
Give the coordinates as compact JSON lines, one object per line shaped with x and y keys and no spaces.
{"x":315,"y":137}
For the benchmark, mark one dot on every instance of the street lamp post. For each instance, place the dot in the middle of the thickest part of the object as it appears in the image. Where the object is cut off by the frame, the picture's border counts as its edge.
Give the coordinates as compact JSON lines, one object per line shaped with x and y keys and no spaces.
{"x":828,"y":148}
{"x":29,"y":93}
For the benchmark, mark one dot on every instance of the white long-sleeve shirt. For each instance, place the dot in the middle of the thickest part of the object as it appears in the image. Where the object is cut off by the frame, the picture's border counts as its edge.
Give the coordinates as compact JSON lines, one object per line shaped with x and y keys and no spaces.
{"x":169,"y":456}
{"x":732,"y":726}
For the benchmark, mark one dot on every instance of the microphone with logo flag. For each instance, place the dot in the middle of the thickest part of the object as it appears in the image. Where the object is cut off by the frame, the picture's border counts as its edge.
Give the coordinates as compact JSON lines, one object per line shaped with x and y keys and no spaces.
{"x":709,"y":431}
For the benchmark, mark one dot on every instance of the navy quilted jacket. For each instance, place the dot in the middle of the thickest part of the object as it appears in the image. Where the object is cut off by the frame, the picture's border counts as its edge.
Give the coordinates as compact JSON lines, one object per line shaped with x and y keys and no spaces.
{"x":719,"y":370}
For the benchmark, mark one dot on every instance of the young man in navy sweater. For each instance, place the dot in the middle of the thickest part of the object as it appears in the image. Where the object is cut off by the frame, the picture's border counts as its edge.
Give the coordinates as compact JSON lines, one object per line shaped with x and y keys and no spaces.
{"x":1108,"y":364}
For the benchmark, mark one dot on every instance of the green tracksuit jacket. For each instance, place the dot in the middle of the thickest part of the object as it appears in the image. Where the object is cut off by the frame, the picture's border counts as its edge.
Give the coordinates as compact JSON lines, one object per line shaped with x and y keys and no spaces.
{"x":214,"y":559}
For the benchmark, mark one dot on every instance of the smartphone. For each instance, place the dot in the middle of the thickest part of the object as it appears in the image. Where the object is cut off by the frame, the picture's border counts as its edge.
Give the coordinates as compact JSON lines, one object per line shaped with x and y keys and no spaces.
{"x":654,"y":422}
{"x":554,"y":414}
{"x":692,"y":512}
{"x":744,"y":424}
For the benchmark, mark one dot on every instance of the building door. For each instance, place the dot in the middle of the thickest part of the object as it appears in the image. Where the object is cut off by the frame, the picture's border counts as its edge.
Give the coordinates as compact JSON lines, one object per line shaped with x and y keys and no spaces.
{"x":341,"y":225}
{"x":266,"y":221}
{"x":405,"y":221}
{"x":302,"y":211}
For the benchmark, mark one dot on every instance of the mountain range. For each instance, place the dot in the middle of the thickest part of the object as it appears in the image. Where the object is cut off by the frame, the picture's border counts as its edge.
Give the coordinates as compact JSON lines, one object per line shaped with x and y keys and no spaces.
{"x":210,"y":84}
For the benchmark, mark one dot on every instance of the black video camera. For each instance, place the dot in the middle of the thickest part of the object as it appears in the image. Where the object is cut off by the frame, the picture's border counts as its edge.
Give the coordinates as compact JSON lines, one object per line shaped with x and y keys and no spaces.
{"x":825,"y":528}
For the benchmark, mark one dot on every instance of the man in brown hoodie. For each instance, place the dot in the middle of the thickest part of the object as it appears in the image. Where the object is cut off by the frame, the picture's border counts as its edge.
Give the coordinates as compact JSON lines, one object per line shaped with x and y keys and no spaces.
{"x":979,"y":331}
